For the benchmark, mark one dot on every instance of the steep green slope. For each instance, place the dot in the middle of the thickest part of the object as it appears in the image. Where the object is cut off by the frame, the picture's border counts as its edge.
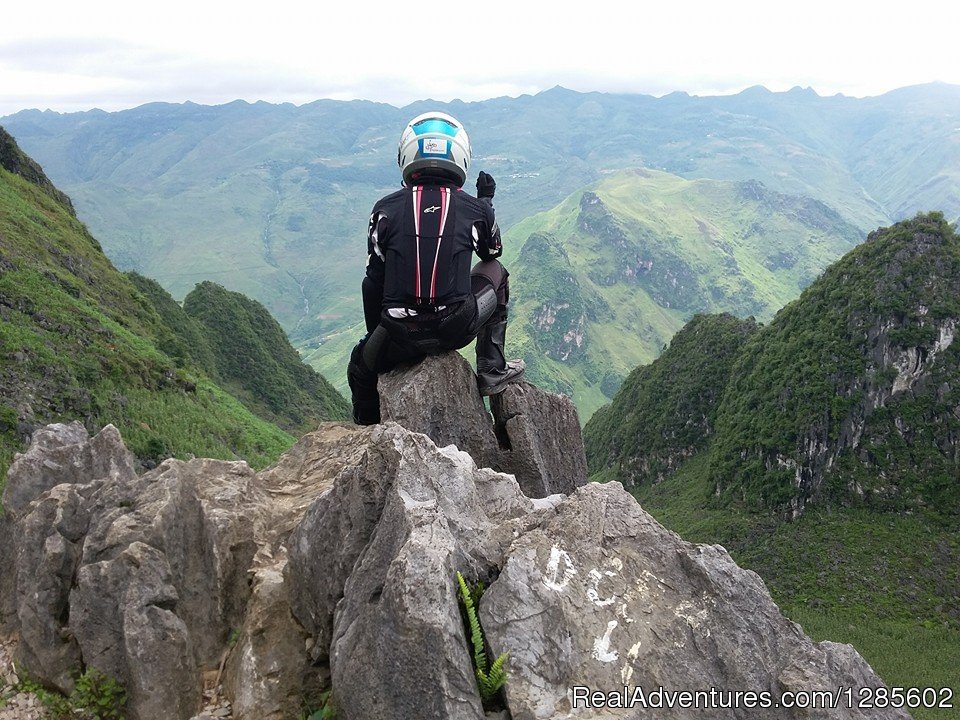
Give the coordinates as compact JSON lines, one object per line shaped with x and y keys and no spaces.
{"x":186,"y":342}
{"x":665,"y":412}
{"x":606,"y":278}
{"x":77,"y":341}
{"x":850,"y":394}
{"x":272,"y":200}
{"x":255,"y":361}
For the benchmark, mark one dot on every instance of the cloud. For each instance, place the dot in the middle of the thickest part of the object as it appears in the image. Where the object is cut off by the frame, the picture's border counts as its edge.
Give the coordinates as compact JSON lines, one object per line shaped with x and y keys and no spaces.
{"x":114,"y":55}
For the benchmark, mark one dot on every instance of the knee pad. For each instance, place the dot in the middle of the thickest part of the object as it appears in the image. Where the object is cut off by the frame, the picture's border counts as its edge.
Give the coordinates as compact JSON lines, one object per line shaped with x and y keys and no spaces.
{"x":487,"y":303}
{"x":493,"y":272}
{"x":359,"y":376}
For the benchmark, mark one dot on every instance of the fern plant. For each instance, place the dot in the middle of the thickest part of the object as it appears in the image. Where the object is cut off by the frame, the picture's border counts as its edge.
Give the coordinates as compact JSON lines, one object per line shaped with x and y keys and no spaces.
{"x":490,"y":677}
{"x":100,"y":695}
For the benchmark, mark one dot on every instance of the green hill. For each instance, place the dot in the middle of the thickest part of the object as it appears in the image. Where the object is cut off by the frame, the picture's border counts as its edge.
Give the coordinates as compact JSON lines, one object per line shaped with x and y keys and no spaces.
{"x":255,"y":361}
{"x":605,"y":279}
{"x":79,"y":341}
{"x":665,"y":412}
{"x":235,"y":341}
{"x":848,"y":396}
{"x":187,"y":341}
{"x":851,"y":394}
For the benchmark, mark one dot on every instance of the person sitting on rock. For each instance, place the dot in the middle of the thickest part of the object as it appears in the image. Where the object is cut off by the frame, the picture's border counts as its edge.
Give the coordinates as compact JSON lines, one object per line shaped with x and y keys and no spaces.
{"x":420,"y":296}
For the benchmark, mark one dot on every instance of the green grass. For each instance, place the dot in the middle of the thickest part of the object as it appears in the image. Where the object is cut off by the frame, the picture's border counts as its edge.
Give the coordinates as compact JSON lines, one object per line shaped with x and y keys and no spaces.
{"x":77,"y":341}
{"x":905,"y":654}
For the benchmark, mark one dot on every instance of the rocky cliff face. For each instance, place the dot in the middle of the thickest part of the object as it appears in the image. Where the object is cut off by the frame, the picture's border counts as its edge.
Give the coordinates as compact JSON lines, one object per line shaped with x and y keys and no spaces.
{"x":559,"y":305}
{"x":851,"y":393}
{"x":336,"y":566}
{"x":667,"y":277}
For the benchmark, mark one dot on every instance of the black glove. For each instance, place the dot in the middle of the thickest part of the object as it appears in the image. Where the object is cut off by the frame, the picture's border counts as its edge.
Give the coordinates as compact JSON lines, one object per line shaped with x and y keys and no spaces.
{"x":486,"y":185}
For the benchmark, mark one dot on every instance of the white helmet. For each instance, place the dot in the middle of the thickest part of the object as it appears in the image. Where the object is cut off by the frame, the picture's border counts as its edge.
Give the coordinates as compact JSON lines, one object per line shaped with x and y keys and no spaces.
{"x":434,"y":140}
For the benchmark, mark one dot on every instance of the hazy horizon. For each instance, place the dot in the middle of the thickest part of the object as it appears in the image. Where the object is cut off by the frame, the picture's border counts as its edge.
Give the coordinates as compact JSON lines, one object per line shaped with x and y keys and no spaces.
{"x":479,"y":100}
{"x":113,"y":56}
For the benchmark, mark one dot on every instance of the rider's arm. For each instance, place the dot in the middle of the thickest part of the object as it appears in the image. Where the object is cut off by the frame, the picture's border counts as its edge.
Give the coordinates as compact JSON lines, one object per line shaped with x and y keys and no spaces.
{"x":372,"y":289}
{"x":486,"y":233}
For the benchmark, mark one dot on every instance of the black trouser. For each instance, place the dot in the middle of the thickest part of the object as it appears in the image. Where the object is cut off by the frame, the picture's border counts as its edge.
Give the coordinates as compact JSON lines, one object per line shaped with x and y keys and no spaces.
{"x":400,"y":340}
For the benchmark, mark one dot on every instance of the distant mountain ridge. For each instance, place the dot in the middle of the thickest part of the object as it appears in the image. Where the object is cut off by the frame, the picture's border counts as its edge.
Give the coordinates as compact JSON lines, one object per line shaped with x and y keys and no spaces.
{"x":273,"y":199}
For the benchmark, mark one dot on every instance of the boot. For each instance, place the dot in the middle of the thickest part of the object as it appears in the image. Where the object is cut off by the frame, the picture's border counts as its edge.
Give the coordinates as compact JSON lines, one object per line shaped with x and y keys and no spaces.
{"x":494,"y":373}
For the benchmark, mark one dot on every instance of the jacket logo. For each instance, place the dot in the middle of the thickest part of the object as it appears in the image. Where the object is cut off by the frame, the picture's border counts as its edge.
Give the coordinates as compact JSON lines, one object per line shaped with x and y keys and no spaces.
{"x":432,"y":208}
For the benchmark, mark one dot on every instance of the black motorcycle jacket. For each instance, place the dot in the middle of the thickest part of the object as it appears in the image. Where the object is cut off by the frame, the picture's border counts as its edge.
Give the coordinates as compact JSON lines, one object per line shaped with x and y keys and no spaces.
{"x":420,"y":244}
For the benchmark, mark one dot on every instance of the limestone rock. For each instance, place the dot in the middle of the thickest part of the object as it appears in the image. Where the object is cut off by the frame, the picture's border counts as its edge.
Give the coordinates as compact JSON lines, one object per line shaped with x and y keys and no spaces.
{"x":381,"y":595}
{"x":125,"y":616}
{"x":8,"y":570}
{"x":64,"y":454}
{"x":199,"y":514}
{"x":45,"y":506}
{"x":587,"y":589}
{"x":534,"y":435}
{"x":270,"y":674}
{"x":351,"y":542}
{"x":540,"y":440}
{"x":140,"y":577}
{"x":438,"y":397}
{"x":601,"y":595}
{"x":52,"y":541}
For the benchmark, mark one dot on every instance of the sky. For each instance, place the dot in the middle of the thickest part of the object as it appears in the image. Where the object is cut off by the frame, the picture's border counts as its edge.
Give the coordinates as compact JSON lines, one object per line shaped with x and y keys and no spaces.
{"x":115,"y":55}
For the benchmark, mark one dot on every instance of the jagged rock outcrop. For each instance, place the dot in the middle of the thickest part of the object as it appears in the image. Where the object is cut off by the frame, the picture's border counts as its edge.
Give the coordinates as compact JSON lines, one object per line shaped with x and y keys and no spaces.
{"x":438,"y":396}
{"x":601,"y":595}
{"x":533,"y":435}
{"x":540,"y":440}
{"x":586,"y":589}
{"x":140,"y":577}
{"x":8,"y":600}
{"x":337,"y":564}
{"x":271,"y":673}
{"x":380,"y":599}
{"x":14,"y":160}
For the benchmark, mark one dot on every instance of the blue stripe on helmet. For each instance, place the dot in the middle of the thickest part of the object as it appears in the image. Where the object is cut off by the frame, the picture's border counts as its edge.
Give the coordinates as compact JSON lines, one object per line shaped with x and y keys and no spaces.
{"x":435,"y":125}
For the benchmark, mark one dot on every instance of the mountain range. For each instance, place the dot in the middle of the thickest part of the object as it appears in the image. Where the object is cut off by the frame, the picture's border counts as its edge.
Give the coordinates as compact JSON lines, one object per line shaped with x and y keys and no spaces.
{"x":818,"y":444}
{"x":272,"y":200}
{"x":605,"y":279}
